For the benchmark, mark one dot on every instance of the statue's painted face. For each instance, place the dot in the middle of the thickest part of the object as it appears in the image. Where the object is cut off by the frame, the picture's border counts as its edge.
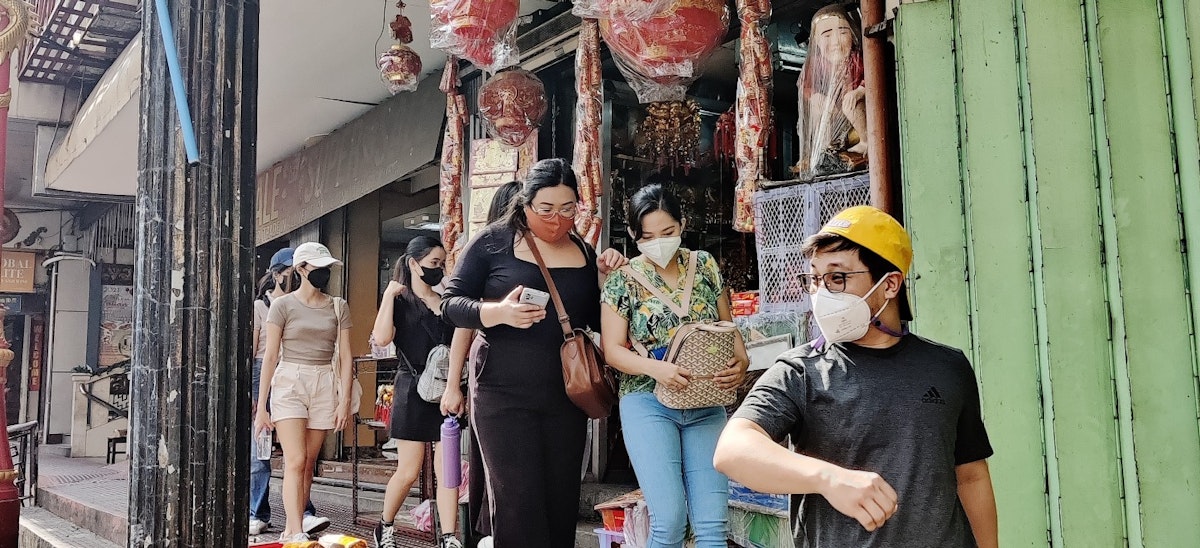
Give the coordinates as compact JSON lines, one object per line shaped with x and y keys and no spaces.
{"x":835,"y":38}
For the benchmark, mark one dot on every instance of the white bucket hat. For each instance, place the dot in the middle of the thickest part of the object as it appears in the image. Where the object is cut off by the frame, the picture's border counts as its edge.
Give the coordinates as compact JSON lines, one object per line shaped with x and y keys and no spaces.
{"x":314,"y":254}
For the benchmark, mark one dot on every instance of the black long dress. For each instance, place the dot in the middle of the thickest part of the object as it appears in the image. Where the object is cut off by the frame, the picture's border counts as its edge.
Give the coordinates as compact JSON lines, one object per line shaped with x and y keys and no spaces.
{"x":418,"y":330}
{"x":532,"y":437}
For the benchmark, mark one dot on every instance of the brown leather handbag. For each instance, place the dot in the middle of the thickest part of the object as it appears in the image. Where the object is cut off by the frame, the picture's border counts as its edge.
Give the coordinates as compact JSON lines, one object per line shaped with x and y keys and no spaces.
{"x":590,"y":383}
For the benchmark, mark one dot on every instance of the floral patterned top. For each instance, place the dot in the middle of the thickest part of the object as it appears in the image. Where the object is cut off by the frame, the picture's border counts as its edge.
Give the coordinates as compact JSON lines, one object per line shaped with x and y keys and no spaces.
{"x":651,"y":322}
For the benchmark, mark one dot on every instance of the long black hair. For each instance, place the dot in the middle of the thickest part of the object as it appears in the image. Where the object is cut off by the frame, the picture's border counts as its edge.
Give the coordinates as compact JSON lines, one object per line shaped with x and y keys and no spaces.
{"x":502,"y":200}
{"x":291,"y":281}
{"x":265,"y":285}
{"x":544,"y":174}
{"x":418,"y":248}
{"x":650,"y":198}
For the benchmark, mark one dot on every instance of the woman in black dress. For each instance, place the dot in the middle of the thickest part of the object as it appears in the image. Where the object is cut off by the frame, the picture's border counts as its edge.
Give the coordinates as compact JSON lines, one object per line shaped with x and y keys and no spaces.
{"x":453,"y":401}
{"x":412,"y":309}
{"x":531,"y":435}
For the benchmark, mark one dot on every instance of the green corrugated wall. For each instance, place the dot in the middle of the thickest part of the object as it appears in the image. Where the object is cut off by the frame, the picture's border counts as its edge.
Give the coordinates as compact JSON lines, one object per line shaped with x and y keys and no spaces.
{"x":1051,"y":182}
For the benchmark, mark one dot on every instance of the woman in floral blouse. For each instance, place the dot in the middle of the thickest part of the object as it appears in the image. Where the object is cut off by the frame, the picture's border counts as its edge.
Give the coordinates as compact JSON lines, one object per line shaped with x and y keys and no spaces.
{"x":671,"y":449}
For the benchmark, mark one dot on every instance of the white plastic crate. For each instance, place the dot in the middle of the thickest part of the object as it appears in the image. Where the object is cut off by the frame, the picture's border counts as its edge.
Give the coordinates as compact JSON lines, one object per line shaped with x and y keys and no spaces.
{"x":784,"y":217}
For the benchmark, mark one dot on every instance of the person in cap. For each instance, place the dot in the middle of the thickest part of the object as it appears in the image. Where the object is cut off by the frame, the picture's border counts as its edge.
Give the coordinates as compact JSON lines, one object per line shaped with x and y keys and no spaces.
{"x":303,"y":332}
{"x":278,"y":281}
{"x":890,"y":445}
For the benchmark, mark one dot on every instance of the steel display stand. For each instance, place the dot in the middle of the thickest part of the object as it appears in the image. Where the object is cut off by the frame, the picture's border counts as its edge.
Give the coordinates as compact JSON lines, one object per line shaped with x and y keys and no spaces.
{"x":425,"y":480}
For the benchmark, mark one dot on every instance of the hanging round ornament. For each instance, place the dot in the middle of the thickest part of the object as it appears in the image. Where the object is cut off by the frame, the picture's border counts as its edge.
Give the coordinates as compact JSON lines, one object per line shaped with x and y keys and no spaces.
{"x":513,"y":104}
{"x":662,"y":55}
{"x":400,"y":66}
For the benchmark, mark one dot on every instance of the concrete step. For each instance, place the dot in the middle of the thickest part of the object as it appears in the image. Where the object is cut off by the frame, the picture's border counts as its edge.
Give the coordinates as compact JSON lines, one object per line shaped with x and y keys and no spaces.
{"x":585,"y":534}
{"x":108,"y":521}
{"x":42,"y":529}
{"x":61,"y":450}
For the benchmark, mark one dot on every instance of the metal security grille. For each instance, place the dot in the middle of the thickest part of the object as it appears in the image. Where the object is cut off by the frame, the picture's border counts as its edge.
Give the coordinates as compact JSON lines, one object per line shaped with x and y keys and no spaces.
{"x":784,"y":217}
{"x":116,"y":229}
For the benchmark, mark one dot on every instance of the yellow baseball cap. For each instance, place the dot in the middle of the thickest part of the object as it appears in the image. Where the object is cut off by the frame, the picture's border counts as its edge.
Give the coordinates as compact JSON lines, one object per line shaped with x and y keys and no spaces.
{"x":881,"y":233}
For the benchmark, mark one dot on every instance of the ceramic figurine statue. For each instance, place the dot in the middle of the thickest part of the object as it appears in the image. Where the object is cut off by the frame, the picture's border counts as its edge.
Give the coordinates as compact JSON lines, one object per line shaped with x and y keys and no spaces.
{"x":832,"y":125}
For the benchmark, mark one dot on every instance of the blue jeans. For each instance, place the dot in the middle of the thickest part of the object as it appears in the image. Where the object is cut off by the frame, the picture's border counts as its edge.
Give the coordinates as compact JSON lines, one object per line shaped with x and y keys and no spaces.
{"x":672,"y":453}
{"x":260,"y":470}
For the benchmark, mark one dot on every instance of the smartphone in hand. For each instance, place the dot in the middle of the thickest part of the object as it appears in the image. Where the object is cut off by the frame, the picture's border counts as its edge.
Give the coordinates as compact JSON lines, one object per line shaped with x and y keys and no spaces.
{"x":535,"y":297}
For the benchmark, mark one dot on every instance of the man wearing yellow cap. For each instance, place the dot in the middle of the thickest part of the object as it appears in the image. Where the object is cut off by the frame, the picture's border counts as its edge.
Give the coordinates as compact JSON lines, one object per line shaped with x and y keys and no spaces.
{"x":890,"y":446}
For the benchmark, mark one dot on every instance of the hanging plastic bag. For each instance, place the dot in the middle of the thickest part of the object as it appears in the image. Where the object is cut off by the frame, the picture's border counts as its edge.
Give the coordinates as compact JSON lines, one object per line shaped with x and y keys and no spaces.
{"x":422,"y":516}
{"x":662,"y":55}
{"x":483,"y":32}
{"x":633,"y":10}
{"x":637,"y":525}
{"x":513,"y":105}
{"x":464,"y":488}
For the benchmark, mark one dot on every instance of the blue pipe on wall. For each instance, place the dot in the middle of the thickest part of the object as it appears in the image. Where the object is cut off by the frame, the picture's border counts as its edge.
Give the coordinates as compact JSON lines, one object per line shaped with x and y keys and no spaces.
{"x":181,"y":100}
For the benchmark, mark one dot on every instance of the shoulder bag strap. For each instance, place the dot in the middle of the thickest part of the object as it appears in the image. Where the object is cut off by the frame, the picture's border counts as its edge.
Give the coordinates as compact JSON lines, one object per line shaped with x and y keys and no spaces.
{"x":682,"y":312}
{"x":563,"y":317}
{"x":337,"y":333}
{"x":689,"y":281}
{"x":420,"y":319}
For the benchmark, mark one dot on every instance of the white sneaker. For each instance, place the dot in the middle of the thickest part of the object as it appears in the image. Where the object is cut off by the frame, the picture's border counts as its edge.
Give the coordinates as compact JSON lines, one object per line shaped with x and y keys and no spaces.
{"x":298,"y":537}
{"x":257,"y":526}
{"x":449,"y":541}
{"x":315,"y":524}
{"x":485,"y":542}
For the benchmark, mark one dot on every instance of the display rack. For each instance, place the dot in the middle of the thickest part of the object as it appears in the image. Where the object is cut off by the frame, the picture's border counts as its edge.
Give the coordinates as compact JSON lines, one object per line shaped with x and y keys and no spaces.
{"x":425,"y":480}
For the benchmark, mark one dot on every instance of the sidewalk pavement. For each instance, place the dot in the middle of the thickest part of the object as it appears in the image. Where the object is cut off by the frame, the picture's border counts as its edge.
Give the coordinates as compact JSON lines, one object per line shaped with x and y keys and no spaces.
{"x":83,"y":502}
{"x":92,"y":495}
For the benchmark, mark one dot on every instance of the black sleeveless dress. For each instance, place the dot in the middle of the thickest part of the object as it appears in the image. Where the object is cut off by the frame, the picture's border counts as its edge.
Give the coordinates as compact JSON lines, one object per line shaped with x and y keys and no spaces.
{"x":418,"y":330}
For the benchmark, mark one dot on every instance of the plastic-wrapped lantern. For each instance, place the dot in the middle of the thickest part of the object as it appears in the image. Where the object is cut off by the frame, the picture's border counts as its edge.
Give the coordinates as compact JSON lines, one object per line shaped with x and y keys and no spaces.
{"x":513,"y":104}
{"x":400,"y":68}
{"x":668,"y":48}
{"x":476,"y":30}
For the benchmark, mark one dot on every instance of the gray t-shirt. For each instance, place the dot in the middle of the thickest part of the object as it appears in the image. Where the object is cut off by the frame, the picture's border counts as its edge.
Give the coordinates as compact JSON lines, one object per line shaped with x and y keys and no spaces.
{"x":909,"y":413}
{"x":309,"y":334}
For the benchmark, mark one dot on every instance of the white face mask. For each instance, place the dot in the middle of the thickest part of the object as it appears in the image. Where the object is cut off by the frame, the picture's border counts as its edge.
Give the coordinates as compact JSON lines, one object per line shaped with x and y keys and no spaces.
{"x":660,"y":250}
{"x":843,"y":317}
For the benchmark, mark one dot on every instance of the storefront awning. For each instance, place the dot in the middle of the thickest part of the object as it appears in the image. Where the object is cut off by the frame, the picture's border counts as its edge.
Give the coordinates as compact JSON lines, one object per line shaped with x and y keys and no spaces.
{"x":388,"y":143}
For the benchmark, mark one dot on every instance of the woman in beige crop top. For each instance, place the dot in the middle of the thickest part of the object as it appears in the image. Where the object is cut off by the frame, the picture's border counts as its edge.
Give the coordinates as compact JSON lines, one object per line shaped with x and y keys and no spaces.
{"x":304,"y":330}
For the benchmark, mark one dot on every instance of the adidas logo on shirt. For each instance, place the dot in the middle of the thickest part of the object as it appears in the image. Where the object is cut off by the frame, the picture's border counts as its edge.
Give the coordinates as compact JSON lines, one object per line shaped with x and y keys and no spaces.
{"x":933,"y":396}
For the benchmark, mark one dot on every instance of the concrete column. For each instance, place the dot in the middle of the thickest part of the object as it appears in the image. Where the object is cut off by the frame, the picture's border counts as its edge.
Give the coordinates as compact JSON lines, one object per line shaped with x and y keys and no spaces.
{"x":191,"y":379}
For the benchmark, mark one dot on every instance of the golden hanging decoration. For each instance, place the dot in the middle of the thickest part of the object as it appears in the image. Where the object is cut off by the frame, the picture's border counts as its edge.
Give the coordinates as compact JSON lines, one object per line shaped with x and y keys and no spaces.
{"x":670,"y":134}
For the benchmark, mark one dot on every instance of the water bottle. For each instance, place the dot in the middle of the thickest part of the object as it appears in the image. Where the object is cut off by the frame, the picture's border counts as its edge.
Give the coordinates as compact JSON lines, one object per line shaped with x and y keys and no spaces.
{"x":451,"y":454}
{"x":262,"y":445}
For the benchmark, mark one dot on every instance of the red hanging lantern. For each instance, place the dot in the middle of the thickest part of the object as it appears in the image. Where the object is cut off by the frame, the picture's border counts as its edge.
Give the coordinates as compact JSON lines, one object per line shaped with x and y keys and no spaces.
{"x":513,"y":104}
{"x":476,"y":30}
{"x":668,"y":48}
{"x":400,"y":66}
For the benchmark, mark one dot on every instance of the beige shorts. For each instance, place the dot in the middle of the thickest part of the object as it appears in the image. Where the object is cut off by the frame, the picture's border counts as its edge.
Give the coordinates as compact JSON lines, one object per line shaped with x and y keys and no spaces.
{"x":304,"y":392}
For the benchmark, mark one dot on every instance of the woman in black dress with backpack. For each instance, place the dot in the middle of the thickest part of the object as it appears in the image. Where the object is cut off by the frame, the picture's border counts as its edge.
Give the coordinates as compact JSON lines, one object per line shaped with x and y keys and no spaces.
{"x":531,"y":435}
{"x":411,"y":316}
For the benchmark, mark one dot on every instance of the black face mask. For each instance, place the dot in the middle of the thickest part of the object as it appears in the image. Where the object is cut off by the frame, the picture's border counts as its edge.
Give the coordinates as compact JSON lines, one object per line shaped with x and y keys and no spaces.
{"x":432,"y":276}
{"x":320,"y":278}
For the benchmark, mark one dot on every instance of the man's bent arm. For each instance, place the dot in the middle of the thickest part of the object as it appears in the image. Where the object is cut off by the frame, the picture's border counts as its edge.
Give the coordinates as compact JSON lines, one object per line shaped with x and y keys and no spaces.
{"x":747,"y":455}
{"x":979,"y":501}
